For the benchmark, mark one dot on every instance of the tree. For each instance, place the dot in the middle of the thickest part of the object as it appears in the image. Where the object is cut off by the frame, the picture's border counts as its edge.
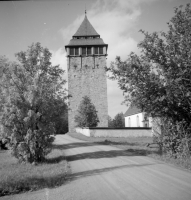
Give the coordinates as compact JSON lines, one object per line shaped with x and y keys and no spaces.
{"x":110,"y":122}
{"x":60,"y":116}
{"x":30,"y":91}
{"x":117,"y":122}
{"x":87,"y":114}
{"x":158,"y":81}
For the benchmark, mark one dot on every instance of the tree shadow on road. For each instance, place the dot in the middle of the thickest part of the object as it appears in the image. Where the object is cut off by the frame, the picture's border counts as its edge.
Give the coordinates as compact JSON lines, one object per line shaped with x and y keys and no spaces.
{"x":107,"y":154}
{"x":75,"y":145}
{"x":83,"y":174}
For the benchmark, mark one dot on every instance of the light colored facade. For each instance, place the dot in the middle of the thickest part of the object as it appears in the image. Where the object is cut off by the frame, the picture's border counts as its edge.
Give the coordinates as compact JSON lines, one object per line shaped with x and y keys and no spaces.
{"x":135,"y":118}
{"x":86,"y":59}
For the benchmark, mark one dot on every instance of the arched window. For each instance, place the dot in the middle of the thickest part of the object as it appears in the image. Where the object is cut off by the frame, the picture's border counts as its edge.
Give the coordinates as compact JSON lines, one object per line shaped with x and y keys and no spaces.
{"x":138,"y":123}
{"x":129,"y":122}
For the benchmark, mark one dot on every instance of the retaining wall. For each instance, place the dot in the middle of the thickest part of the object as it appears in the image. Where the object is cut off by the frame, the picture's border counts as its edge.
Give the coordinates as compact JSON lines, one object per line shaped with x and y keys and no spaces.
{"x":117,"y":132}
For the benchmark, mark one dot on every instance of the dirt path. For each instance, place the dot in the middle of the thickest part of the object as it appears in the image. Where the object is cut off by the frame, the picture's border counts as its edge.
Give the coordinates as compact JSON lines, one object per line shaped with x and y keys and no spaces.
{"x":102,"y":172}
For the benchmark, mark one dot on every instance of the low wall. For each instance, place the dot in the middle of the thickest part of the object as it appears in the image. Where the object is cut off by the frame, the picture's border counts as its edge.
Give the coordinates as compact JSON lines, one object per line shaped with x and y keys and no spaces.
{"x":117,"y":132}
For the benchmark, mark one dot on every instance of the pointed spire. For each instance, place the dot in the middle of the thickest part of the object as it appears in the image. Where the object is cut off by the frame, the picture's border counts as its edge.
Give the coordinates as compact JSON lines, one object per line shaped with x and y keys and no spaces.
{"x":86,"y":29}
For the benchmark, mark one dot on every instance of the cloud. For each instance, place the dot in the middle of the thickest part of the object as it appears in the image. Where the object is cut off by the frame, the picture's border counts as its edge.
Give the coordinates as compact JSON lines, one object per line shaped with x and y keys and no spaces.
{"x":59,"y":58}
{"x":114,"y":20}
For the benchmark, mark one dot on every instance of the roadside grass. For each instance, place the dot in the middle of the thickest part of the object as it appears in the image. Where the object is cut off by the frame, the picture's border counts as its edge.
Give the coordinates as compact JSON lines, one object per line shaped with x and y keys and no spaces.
{"x":130,"y":143}
{"x":139,"y":145}
{"x":16,"y":177}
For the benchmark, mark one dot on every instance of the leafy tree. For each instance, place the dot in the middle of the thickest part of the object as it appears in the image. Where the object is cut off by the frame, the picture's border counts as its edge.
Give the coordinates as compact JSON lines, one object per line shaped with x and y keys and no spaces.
{"x":87,"y":114}
{"x":60,"y":116}
{"x":30,"y":92}
{"x":117,"y":122}
{"x":158,"y":81}
{"x":110,"y":122}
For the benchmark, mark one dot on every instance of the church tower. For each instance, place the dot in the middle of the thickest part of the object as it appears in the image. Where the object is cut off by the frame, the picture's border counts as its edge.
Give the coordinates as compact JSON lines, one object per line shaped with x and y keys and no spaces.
{"x":86,"y":61}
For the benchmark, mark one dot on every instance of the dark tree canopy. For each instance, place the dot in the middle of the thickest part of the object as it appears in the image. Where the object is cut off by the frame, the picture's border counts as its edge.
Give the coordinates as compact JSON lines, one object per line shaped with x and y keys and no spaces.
{"x":87,"y":114}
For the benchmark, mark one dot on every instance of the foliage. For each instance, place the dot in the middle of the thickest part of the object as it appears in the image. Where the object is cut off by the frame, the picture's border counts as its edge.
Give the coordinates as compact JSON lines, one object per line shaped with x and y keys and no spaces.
{"x":60,"y":116}
{"x":31,"y":93}
{"x":110,"y":122}
{"x":87,"y":114}
{"x":117,"y":122}
{"x":158,"y":81}
{"x":17,"y":178}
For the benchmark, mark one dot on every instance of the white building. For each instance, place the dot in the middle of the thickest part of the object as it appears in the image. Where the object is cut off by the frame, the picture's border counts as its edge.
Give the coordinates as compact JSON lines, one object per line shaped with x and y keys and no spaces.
{"x":135,"y":118}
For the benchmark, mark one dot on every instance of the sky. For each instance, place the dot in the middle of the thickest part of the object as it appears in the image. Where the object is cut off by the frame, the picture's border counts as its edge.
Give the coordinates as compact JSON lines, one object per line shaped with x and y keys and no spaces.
{"x":53,"y":23}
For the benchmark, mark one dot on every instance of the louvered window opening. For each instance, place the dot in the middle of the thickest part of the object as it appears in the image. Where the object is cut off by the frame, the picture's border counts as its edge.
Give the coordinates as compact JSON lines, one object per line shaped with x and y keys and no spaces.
{"x":96,"y":50}
{"x":86,"y":51}
{"x":72,"y":51}
{"x":76,"y":51}
{"x":100,"y":50}
{"x":83,"y":51}
{"x":89,"y":51}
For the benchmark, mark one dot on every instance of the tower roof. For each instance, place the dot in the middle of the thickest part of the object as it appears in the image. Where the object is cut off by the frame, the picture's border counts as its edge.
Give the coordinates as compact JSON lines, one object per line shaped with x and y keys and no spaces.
{"x":86,"y":29}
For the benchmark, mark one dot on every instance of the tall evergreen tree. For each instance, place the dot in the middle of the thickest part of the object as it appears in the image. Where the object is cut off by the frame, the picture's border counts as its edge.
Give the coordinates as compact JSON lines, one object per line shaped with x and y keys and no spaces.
{"x":87,"y":114}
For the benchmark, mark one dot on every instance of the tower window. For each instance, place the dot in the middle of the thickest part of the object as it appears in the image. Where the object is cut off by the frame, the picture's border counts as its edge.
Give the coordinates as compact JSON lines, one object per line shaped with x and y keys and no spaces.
{"x":100,"y":50}
{"x":76,"y":51}
{"x":71,"y":51}
{"x":83,"y":51}
{"x":96,"y":50}
{"x":89,"y":50}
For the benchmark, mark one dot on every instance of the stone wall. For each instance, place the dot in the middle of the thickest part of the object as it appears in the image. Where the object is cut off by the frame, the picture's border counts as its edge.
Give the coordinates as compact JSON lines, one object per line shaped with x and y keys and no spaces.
{"x":87,"y":77}
{"x":118,"y":132}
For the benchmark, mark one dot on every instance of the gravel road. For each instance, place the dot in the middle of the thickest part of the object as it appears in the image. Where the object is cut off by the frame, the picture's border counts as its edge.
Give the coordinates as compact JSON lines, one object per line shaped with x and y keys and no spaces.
{"x":100,"y":172}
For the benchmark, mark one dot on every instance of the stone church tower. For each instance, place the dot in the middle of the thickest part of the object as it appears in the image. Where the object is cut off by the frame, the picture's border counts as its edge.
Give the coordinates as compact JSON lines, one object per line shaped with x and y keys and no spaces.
{"x":86,"y":60}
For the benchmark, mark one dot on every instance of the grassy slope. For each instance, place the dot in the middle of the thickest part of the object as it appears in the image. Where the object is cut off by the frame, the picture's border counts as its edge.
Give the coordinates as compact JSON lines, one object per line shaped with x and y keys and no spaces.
{"x":15,"y":177}
{"x":139,"y":145}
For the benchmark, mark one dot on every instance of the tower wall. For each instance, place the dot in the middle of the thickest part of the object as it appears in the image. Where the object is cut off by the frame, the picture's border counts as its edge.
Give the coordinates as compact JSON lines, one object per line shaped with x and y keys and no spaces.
{"x":87,"y":77}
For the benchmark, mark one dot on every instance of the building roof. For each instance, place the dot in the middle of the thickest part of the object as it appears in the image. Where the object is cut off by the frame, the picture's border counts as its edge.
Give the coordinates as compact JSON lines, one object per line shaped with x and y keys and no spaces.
{"x":81,"y":42}
{"x":86,"y":29}
{"x":132,"y":110}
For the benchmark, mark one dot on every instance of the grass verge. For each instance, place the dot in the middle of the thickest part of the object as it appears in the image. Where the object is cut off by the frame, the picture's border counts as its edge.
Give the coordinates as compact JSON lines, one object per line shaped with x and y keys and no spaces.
{"x":16,"y":177}
{"x":130,"y":143}
{"x":139,"y":145}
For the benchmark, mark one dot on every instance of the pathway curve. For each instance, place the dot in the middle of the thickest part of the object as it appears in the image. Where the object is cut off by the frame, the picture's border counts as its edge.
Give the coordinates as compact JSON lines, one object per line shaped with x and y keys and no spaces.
{"x":101,"y":172}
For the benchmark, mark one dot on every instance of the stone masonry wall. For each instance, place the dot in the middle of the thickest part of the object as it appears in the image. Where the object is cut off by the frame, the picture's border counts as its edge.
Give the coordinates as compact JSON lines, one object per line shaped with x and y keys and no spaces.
{"x":87,"y":79}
